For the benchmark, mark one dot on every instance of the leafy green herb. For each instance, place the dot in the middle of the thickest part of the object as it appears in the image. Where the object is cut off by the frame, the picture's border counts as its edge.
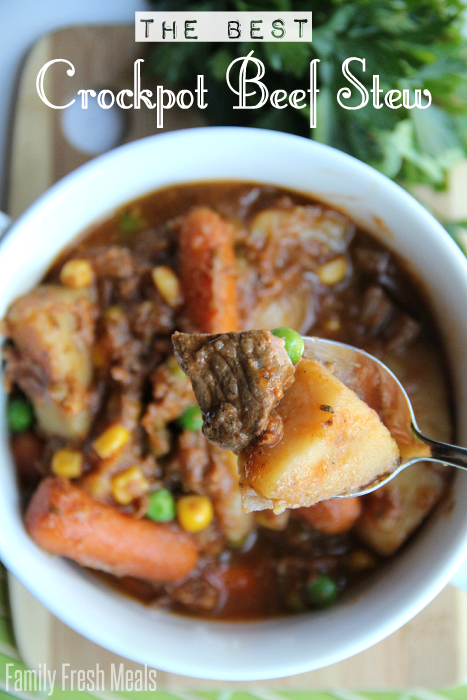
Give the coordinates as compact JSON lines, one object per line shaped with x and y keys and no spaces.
{"x":458,"y":230}
{"x":410,"y":44}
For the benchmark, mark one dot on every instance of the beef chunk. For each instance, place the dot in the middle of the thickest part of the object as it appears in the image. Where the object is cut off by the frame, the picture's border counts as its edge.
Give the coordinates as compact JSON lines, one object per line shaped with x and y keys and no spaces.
{"x":238,"y":379}
{"x":377,"y":309}
{"x":172,"y":394}
{"x":211,"y":471}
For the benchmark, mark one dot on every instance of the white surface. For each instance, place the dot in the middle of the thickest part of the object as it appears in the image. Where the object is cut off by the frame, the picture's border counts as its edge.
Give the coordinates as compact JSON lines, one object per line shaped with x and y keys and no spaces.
{"x":5,"y":222}
{"x":22,"y":23}
{"x":411,"y":580}
{"x":460,"y":577}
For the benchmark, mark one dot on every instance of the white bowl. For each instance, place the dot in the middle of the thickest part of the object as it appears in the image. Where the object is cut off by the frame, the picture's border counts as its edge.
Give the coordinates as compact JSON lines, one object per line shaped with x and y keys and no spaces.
{"x":275,"y":648}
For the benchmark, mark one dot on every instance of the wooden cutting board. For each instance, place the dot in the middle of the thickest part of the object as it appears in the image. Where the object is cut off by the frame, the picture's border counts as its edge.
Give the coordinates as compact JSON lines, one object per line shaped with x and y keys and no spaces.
{"x":431,"y":650}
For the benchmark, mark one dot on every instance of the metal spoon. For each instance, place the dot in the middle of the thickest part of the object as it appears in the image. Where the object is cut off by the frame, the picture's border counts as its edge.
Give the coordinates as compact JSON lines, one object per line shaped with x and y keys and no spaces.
{"x":377,"y":386}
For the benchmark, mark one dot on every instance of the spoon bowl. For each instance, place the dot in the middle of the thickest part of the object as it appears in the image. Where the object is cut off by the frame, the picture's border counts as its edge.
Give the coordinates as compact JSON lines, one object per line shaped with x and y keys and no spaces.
{"x":380,"y":389}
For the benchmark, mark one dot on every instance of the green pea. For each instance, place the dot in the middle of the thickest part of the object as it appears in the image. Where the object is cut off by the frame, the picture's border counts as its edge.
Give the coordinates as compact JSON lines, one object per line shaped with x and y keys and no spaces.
{"x":130,"y":222}
{"x":322,"y":590}
{"x":20,"y":415}
{"x":293,"y":343}
{"x":161,"y":506}
{"x":191,"y":419}
{"x":294,"y":601}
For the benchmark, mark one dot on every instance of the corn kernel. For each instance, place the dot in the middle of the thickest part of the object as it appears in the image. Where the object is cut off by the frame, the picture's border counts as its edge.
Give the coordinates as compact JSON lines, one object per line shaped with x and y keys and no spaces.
{"x":77,"y":274}
{"x":333,"y":271}
{"x":111,"y":441}
{"x":194,"y":512}
{"x":67,"y":463}
{"x":128,"y":485}
{"x":361,"y":560}
{"x":166,"y":282}
{"x":333,"y":325}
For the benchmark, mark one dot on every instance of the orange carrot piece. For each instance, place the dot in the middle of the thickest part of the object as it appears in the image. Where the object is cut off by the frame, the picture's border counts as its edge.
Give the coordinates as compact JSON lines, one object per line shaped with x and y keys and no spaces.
{"x":250,"y":589}
{"x":64,"y":519}
{"x":207,"y":272}
{"x":332,"y":517}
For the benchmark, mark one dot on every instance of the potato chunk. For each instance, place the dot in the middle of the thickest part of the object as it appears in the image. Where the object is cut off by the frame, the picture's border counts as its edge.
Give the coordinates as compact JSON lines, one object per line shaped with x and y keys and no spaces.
{"x":51,"y":330}
{"x":282,"y":245}
{"x":332,"y":443}
{"x":392,"y":513}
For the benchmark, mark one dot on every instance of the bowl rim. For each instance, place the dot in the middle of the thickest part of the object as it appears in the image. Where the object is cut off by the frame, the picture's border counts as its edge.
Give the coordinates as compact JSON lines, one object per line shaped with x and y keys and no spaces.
{"x":48,"y":200}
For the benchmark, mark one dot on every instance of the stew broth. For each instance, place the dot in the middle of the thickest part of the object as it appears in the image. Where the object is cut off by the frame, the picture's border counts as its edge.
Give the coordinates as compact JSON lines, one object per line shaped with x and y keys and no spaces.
{"x":282,"y":243}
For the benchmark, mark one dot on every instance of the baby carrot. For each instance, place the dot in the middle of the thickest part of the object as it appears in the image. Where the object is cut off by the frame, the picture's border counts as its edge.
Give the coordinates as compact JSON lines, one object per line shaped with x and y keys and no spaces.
{"x":64,"y":519}
{"x":207,"y":271}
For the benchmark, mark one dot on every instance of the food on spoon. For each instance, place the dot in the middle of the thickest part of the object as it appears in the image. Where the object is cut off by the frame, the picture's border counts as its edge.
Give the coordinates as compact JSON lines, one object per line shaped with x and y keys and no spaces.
{"x":329,"y":441}
{"x":293,"y":343}
{"x":332,"y":443}
{"x":238,"y":379}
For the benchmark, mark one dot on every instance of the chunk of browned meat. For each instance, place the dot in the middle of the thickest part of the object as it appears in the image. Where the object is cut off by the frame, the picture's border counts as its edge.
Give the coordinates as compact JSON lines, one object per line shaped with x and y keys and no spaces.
{"x":211,"y":471}
{"x":275,"y":254}
{"x":172,"y":394}
{"x":238,"y":379}
{"x":120,"y":349}
{"x":51,"y":330}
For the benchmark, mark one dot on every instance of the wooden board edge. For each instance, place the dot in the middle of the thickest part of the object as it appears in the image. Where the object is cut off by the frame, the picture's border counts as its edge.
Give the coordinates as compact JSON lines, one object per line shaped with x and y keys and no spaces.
{"x":31,"y":625}
{"x":32,"y":134}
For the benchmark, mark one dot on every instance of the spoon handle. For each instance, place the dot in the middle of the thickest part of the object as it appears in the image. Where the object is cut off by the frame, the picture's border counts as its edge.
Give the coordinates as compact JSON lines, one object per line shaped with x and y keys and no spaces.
{"x":442,"y":452}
